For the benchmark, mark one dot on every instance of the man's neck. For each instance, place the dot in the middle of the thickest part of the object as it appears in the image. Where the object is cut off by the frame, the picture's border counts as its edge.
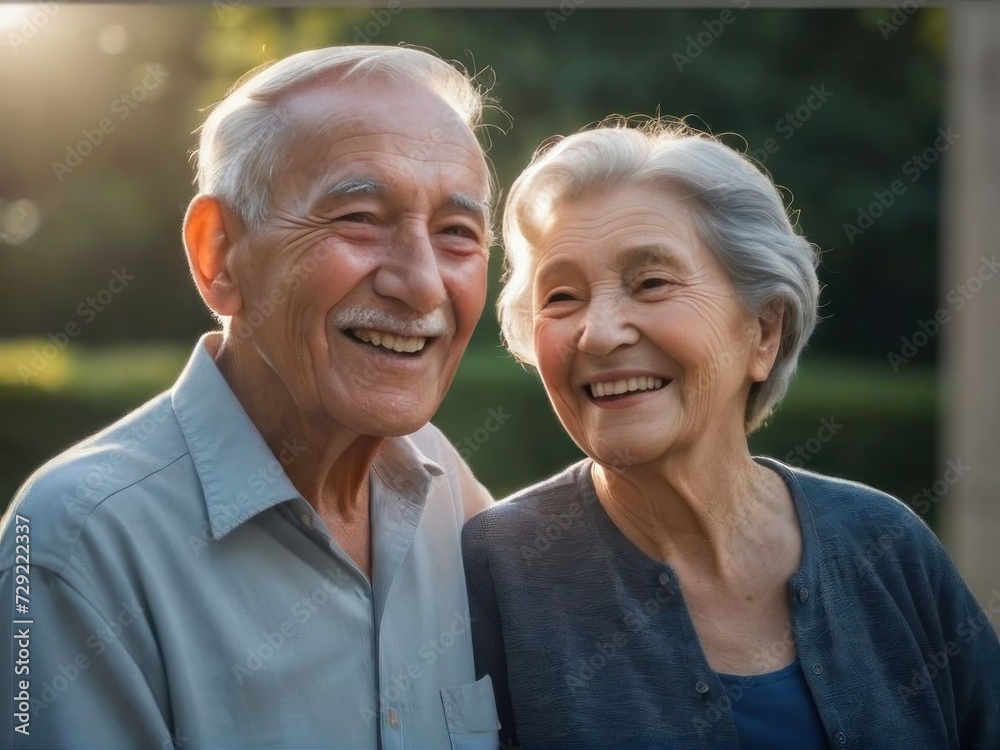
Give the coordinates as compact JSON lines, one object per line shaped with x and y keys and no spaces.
{"x":328,"y":464}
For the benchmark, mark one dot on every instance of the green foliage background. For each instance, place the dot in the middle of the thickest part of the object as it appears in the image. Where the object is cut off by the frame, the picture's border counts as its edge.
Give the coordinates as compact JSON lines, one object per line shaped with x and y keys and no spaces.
{"x":551,"y":74}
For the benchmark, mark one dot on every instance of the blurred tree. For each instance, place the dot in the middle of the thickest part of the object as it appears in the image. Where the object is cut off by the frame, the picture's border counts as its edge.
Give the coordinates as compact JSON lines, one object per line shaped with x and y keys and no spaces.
{"x":749,"y":72}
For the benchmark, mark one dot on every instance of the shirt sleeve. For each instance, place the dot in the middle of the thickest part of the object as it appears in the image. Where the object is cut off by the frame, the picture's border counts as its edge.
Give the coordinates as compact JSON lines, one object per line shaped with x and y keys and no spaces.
{"x":84,"y":690}
{"x":487,"y":633}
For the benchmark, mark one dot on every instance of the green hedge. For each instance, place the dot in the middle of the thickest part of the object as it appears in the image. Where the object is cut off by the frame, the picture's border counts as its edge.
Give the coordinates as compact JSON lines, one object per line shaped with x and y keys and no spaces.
{"x":881,"y":426}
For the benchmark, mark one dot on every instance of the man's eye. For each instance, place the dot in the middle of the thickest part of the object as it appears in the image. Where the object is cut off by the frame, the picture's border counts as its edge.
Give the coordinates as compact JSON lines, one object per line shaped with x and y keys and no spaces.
{"x":356,"y":218}
{"x":459,"y":231}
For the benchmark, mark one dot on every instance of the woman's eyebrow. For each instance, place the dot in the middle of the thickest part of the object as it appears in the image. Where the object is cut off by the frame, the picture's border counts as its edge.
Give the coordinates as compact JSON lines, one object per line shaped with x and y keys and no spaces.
{"x":630,"y":258}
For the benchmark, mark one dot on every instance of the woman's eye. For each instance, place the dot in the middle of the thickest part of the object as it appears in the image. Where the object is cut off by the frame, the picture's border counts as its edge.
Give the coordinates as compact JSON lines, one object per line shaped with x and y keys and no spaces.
{"x":652,"y":283}
{"x":559,"y":297}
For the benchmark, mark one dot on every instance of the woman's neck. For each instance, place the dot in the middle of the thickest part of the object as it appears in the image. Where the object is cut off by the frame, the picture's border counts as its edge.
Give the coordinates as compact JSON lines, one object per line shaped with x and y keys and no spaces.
{"x":706,"y":514}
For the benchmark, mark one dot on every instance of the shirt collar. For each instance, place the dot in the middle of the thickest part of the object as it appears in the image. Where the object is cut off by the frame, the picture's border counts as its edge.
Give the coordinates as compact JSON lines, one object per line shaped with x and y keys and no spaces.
{"x":239,"y":474}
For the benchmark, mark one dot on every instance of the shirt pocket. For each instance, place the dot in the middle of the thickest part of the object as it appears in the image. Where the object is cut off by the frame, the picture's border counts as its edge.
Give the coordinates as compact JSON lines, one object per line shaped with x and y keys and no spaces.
{"x":471,"y":713}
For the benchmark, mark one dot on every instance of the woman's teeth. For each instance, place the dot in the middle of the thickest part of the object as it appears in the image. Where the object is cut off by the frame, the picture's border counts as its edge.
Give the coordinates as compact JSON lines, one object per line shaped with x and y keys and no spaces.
{"x":625,"y":385}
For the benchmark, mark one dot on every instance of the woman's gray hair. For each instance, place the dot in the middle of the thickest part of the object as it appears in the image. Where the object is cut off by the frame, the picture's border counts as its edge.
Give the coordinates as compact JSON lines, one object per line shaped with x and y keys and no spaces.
{"x":737,"y":209}
{"x":240,"y":140}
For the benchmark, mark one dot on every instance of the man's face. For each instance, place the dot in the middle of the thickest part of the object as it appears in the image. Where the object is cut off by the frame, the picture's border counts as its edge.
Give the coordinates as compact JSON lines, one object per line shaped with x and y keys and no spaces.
{"x":374,"y":255}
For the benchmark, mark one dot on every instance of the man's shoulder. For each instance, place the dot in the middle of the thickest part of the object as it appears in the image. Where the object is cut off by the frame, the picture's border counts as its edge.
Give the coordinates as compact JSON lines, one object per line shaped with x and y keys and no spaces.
{"x":561,"y":495}
{"x":469,"y":496}
{"x":61,"y":496}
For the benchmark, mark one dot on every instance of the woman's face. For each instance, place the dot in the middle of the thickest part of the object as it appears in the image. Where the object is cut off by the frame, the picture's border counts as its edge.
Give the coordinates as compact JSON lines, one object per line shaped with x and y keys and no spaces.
{"x":641,"y":341}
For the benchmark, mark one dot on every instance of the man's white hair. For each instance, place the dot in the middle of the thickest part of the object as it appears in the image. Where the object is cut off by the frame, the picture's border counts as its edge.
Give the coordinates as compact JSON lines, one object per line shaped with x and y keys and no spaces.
{"x":240,"y":140}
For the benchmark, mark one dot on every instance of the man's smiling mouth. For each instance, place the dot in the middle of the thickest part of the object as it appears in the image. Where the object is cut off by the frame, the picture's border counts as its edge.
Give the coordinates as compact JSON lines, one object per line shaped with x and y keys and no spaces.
{"x":391,"y":341}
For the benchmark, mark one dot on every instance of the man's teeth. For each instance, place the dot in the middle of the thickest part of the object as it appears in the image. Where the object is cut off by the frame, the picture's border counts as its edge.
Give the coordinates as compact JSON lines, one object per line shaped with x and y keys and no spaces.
{"x":390,"y":340}
{"x":625,"y":385}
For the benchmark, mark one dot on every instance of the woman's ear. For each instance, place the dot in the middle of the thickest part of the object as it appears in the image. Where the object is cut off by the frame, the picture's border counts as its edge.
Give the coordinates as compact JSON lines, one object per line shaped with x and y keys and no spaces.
{"x":211,"y":234}
{"x":770,"y":324}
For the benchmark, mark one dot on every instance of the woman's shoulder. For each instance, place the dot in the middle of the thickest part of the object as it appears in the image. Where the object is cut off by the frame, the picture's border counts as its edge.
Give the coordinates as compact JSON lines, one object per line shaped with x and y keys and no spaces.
{"x":851,"y":516}
{"x":560,"y":497}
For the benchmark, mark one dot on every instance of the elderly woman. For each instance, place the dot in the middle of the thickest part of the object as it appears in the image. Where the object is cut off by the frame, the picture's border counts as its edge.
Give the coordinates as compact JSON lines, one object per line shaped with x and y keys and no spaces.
{"x":671,"y":590}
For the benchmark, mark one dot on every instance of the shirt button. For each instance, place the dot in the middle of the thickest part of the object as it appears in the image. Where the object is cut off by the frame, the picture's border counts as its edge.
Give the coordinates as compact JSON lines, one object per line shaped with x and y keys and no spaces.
{"x":701,"y":687}
{"x":307,"y":520}
{"x":393,"y":718}
{"x":817,"y":669}
{"x":803,"y":594}
{"x":841,"y":738}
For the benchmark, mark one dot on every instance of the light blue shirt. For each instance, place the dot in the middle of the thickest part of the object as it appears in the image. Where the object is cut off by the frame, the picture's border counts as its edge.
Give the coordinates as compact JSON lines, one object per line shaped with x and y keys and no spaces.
{"x":181,"y":593}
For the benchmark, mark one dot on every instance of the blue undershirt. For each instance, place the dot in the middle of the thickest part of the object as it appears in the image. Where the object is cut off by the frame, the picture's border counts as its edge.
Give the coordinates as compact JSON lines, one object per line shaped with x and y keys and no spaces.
{"x":775,"y":711}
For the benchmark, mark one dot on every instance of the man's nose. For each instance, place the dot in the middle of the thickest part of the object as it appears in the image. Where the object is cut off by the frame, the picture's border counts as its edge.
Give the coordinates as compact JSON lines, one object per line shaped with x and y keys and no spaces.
{"x":606,"y":326}
{"x":411,"y":273}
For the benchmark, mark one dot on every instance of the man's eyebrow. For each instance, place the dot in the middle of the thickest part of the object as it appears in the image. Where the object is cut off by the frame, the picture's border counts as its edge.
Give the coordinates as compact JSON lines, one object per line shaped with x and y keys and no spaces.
{"x":468,"y":204}
{"x":352,"y":187}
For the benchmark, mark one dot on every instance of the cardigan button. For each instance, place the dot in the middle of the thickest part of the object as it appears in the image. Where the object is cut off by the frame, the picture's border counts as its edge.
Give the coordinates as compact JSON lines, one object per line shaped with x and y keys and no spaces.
{"x":841,"y":738}
{"x":392,"y":718}
{"x":817,"y":669}
{"x":701,"y":687}
{"x":803,"y":594}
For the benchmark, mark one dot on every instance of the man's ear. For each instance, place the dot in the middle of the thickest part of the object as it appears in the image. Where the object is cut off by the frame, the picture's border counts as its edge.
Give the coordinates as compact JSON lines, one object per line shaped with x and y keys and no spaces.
{"x":770,"y":325}
{"x":211,"y":235}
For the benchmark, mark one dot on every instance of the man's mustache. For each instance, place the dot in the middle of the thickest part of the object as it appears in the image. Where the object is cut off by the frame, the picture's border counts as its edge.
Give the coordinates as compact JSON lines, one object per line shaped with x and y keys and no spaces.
{"x":438,"y":323}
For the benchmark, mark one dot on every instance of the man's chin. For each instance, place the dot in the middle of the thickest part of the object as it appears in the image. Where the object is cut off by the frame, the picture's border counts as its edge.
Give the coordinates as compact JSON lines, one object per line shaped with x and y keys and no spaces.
{"x":391,"y":422}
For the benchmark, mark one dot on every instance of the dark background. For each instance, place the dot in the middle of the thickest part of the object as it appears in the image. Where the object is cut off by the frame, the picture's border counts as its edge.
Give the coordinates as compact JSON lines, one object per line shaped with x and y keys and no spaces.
{"x":62,"y":234}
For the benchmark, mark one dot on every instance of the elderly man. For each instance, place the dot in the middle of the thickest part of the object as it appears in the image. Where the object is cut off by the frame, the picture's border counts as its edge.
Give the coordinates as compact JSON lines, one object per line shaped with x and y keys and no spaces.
{"x":267,"y":555}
